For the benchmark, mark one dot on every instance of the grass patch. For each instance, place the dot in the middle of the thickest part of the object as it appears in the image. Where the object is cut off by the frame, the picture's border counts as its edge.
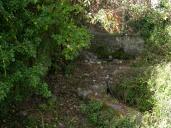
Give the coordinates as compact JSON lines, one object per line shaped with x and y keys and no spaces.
{"x":149,"y":91}
{"x":134,"y":90}
{"x":103,"y":117}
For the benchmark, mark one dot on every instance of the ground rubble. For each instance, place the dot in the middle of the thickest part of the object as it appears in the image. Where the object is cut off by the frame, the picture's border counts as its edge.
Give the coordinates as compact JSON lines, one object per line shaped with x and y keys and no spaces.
{"x":97,"y":79}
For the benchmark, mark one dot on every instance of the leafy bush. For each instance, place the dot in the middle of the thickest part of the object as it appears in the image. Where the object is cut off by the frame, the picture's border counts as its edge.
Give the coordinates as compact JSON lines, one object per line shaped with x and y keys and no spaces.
{"x":108,"y":20}
{"x":134,"y":90}
{"x":150,"y":93}
{"x":32,"y":32}
{"x":160,"y":83}
{"x":102,"y":117}
{"x":153,"y":24}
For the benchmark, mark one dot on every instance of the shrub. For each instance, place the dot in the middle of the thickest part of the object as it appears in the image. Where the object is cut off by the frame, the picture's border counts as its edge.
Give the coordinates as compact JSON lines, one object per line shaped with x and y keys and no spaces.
{"x":160,"y":83}
{"x":153,"y":24}
{"x":134,"y":89}
{"x":150,"y":93}
{"x":32,"y":32}
{"x":103,"y":117}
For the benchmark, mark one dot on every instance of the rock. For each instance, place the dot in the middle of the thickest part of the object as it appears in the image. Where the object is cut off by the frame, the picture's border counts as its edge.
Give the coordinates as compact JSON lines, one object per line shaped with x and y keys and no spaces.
{"x":108,"y":44}
{"x":86,"y":61}
{"x":61,"y":125}
{"x":99,"y":88}
{"x":132,"y":45}
{"x":89,"y":57}
{"x":99,"y":62}
{"x":83,"y":93}
{"x":23,"y":113}
{"x":86,"y":74}
{"x":120,"y":62}
{"x":116,"y":61}
{"x":110,"y":57}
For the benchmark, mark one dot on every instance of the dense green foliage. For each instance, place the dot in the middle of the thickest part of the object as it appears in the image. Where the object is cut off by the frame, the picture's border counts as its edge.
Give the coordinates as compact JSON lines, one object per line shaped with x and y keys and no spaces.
{"x":160,"y":85}
{"x":135,"y":91}
{"x":149,"y":90}
{"x":37,"y":35}
{"x":150,"y":93}
{"x":102,"y":117}
{"x":154,"y":26}
{"x":32,"y":32}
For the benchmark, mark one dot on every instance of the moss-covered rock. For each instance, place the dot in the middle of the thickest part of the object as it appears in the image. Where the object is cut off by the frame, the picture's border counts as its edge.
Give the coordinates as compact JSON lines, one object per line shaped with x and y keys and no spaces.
{"x":117,"y":46}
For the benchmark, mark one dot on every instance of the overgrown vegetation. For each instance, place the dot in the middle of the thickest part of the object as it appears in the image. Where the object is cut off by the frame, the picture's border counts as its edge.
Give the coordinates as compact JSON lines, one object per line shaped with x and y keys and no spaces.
{"x":150,"y":93}
{"x":102,"y":117}
{"x":37,"y":115}
{"x":160,"y":85}
{"x":149,"y":90}
{"x":41,"y":35}
{"x":153,"y":24}
{"x":135,"y":91}
{"x":32,"y":32}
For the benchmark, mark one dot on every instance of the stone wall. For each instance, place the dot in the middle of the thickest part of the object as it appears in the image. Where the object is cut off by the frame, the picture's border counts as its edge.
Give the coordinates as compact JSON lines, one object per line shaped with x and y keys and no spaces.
{"x":111,"y":44}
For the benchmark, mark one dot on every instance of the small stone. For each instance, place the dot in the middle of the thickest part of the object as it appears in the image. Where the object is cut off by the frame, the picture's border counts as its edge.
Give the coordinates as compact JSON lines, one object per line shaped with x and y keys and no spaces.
{"x":110,"y":57}
{"x":115,"y":61}
{"x":86,"y":74}
{"x":99,"y":62}
{"x":107,"y":77}
{"x":120,"y":67}
{"x":96,"y":94}
{"x":84,"y":93}
{"x":86,"y":61}
{"x":61,"y":125}
{"x":23,"y":113}
{"x":91,"y":62}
